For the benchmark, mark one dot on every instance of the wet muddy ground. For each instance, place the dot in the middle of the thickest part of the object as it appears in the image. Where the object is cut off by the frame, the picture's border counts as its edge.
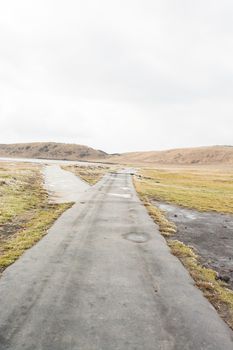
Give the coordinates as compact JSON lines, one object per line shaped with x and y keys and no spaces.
{"x":210,"y":234}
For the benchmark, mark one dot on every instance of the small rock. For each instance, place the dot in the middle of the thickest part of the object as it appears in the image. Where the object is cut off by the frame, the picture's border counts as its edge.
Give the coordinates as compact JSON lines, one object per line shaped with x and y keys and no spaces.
{"x":206,"y":265}
{"x":175,"y":215}
{"x":223,"y":278}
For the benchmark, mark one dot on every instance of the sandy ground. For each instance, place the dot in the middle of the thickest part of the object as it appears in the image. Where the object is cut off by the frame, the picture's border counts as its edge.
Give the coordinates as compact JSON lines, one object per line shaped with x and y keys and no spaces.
{"x":211,"y":234}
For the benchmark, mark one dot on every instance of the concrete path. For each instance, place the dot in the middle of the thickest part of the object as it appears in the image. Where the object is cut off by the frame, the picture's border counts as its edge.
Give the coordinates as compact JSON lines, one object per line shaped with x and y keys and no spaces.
{"x":63,"y":186}
{"x":104,"y":279}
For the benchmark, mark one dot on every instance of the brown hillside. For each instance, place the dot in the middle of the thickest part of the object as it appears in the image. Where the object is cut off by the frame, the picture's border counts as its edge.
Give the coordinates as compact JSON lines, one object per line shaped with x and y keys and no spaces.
{"x":182,"y":156}
{"x":50,"y":150}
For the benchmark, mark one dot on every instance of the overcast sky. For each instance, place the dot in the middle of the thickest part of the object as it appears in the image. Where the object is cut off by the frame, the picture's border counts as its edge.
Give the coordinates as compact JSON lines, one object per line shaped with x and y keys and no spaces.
{"x":119,"y":75}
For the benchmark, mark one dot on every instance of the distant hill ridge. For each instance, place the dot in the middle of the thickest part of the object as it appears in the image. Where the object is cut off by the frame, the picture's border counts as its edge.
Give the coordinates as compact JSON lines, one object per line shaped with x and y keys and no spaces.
{"x":50,"y":150}
{"x":181,"y":156}
{"x":62,"y":151}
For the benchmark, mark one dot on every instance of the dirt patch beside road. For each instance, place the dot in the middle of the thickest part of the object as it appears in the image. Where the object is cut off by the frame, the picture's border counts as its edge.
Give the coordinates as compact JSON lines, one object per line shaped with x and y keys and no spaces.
{"x":210,"y":234}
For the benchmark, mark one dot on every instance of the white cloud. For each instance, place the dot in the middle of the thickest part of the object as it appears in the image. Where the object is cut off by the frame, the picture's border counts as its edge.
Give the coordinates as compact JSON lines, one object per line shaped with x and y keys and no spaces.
{"x":125,"y":75}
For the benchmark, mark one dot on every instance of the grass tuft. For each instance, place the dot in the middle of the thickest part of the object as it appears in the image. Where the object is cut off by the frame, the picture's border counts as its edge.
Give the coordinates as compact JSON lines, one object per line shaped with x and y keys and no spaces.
{"x":217,"y":292}
{"x":166,"y":227}
{"x":90,"y":173}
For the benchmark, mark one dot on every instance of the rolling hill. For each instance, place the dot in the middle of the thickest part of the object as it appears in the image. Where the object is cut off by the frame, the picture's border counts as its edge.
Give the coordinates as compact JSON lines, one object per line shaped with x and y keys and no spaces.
{"x":51,"y":150}
{"x":182,"y":156}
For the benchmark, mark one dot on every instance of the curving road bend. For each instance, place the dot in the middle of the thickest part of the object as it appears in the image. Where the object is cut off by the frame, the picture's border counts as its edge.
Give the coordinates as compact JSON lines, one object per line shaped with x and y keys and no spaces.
{"x":104,"y":279}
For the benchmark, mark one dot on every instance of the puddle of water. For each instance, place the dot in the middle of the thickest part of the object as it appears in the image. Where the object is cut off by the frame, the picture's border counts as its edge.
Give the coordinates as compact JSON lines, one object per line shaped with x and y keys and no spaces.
{"x":63,"y":185}
{"x":189,"y":215}
{"x":210,"y":233}
{"x":165,"y":207}
{"x":173,"y":209}
{"x":46,"y":161}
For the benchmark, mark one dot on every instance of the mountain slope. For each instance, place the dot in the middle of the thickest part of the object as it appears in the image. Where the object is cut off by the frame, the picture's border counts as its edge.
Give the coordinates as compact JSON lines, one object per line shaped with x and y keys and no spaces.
{"x":182,"y":156}
{"x":51,"y":150}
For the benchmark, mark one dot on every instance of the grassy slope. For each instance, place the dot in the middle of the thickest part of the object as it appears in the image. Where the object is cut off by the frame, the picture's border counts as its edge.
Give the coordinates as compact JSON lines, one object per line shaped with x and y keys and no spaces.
{"x":25,"y":213}
{"x":200,"y":189}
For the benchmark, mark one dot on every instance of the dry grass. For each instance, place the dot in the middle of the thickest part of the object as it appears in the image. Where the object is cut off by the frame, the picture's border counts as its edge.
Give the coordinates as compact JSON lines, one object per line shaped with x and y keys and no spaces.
{"x":91,"y":173}
{"x":12,"y":248}
{"x":20,"y":190}
{"x":25,"y":214}
{"x":166,"y":227}
{"x":217,"y":292}
{"x":199,"y":188}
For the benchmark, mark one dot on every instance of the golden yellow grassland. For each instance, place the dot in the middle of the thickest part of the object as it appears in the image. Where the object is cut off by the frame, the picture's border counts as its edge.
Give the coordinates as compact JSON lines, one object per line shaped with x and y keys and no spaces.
{"x":25,"y":213}
{"x":91,"y":173}
{"x":200,"y":188}
{"x":203,"y":189}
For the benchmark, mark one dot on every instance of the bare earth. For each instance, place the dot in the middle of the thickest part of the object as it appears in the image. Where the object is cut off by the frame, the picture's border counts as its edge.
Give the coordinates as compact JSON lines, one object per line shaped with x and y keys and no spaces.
{"x":211,"y":234}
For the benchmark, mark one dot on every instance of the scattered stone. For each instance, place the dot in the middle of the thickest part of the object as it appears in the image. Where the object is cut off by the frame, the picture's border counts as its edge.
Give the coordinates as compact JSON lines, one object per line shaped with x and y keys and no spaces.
{"x":224,"y":278}
{"x":206,"y":265}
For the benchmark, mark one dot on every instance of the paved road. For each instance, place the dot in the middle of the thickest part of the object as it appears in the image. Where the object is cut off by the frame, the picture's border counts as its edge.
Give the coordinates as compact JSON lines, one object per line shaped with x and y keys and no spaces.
{"x":63,"y":186}
{"x":103,"y":279}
